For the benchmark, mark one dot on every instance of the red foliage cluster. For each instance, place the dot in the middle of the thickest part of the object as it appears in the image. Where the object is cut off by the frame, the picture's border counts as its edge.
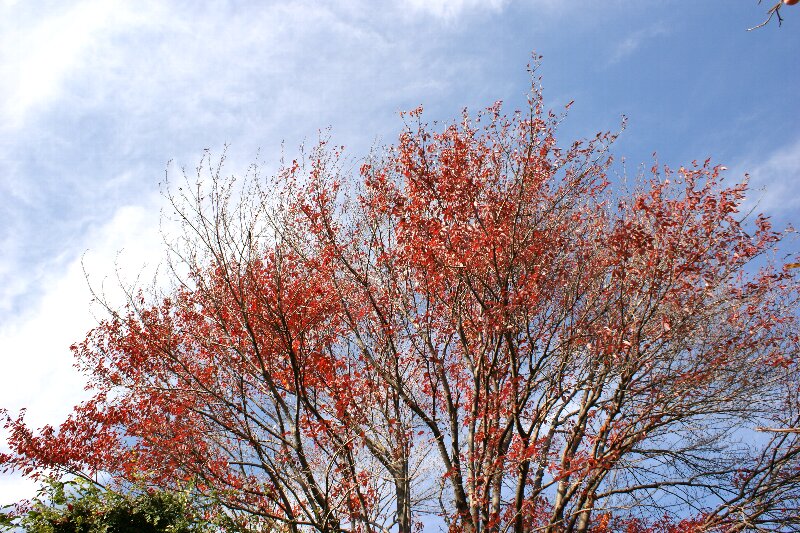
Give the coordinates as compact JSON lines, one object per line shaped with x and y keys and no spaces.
{"x":478,"y":326}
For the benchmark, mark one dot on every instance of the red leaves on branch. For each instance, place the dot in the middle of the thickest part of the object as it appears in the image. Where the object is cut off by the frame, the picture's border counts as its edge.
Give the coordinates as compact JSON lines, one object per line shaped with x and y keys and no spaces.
{"x":479,"y":325}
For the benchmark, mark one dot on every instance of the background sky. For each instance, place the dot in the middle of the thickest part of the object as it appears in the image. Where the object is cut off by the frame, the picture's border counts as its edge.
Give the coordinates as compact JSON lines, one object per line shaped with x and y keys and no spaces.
{"x":97,"y":96}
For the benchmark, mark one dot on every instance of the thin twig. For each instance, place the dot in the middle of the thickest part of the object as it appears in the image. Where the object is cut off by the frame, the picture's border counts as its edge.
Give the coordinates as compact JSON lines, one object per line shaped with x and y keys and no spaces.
{"x":773,"y":11}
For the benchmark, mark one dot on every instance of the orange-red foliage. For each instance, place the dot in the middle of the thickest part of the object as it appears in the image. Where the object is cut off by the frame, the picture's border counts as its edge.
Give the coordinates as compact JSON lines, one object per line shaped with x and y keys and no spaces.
{"x":480,"y":319}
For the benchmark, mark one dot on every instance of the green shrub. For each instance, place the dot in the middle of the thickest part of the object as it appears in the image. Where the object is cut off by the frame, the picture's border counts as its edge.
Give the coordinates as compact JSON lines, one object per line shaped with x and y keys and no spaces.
{"x":79,"y":506}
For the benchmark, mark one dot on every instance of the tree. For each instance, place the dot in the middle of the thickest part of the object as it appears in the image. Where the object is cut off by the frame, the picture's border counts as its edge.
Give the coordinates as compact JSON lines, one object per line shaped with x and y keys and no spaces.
{"x":79,"y":506}
{"x":476,"y":324}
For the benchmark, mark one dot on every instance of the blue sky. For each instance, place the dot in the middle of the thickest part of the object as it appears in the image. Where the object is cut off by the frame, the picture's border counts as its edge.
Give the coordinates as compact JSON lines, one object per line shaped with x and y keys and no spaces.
{"x":96,"y":96}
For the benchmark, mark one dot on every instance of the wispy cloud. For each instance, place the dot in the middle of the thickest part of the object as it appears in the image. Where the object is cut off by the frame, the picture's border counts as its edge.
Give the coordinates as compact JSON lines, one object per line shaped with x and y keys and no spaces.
{"x":775,"y":182}
{"x":628,"y":46}
{"x":37,"y":58}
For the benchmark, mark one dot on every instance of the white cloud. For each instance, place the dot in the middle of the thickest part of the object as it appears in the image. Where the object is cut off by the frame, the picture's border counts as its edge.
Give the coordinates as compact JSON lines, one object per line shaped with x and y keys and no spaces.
{"x":775,"y":182}
{"x":36,"y":60}
{"x":450,"y":9}
{"x":14,"y":488}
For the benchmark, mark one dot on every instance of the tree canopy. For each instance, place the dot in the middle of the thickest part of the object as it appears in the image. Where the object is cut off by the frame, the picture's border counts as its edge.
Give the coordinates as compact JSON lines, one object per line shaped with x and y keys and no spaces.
{"x":477,"y":325}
